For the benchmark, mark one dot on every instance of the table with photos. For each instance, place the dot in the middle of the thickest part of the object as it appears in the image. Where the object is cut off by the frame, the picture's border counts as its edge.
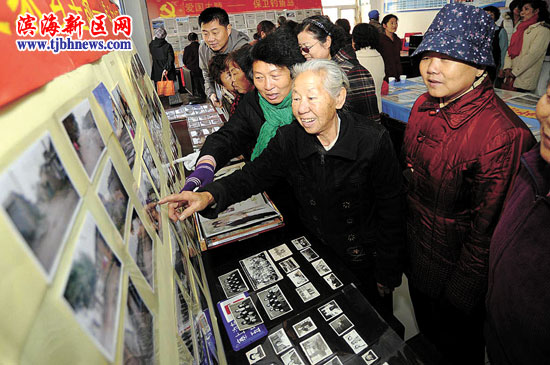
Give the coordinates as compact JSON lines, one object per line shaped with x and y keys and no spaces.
{"x":402,"y":95}
{"x":284,"y":299}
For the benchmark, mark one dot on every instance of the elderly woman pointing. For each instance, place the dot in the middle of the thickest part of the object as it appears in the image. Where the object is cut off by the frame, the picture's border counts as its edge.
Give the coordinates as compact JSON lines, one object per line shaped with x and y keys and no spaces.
{"x":344,"y":175}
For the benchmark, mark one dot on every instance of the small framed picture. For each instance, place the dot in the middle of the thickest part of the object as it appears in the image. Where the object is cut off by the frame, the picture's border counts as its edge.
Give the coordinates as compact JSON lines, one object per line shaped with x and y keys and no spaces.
{"x":245,"y":314}
{"x":334,"y":361}
{"x":370,"y":357}
{"x":292,"y":358}
{"x":307,"y":292}
{"x":321,"y":267}
{"x":333,"y":281}
{"x":274,"y":302}
{"x":233,"y":283}
{"x":289,"y":265}
{"x":280,"y":252}
{"x":300,"y":243}
{"x":309,"y":254}
{"x":255,"y":355}
{"x":280,"y":341}
{"x":298,"y":278}
{"x":330,"y":310}
{"x":316,"y":348}
{"x":304,"y":327}
{"x":341,"y":324}
{"x":355,"y":341}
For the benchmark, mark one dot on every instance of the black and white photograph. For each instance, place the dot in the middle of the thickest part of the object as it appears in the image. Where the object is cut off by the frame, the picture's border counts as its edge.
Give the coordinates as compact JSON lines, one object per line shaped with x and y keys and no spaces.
{"x":151,"y":166}
{"x":114,"y":197}
{"x":139,"y":342}
{"x":94,"y":286}
{"x":245,"y":314}
{"x":124,"y":110}
{"x":355,"y":341}
{"x":307,"y":292}
{"x":274,"y":302}
{"x":110,"y":109}
{"x":232,"y":283}
{"x":309,"y":254}
{"x":280,"y":252}
{"x":280,"y":341}
{"x":40,"y":200}
{"x":289,"y":265}
{"x":85,"y":138}
{"x":321,"y":267}
{"x":334,"y":361}
{"x":292,"y":358}
{"x":255,"y":355}
{"x":370,"y":357}
{"x":330,"y":310}
{"x":341,"y":324}
{"x":298,"y":278}
{"x":316,"y":348}
{"x":140,"y":247}
{"x":300,"y":243}
{"x":304,"y":327}
{"x":333,"y":281}
{"x":261,"y":270}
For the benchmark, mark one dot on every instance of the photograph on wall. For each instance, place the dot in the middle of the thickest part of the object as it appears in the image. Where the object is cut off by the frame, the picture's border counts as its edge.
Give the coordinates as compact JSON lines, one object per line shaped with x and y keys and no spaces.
{"x":40,"y":201}
{"x":148,"y":197}
{"x":110,"y":109}
{"x":140,"y":247}
{"x":114,"y":197}
{"x":124,"y":110}
{"x":85,"y":138}
{"x":94,"y":286}
{"x":139,"y":344}
{"x":183,"y":319}
{"x":151,"y":166}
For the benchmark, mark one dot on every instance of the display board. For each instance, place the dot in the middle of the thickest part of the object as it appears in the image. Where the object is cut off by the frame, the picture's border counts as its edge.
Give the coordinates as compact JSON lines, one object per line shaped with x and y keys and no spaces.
{"x":92,"y":270}
{"x":393,"y":6}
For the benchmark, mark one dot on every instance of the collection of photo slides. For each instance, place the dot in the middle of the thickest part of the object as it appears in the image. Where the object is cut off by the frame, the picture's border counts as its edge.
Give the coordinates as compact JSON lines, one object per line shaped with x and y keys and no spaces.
{"x":202,"y":120}
{"x":40,"y":201}
{"x":263,"y":271}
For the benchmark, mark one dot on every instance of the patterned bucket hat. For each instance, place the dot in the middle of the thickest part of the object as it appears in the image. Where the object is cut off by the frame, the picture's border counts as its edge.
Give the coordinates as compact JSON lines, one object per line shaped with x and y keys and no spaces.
{"x":463,"y":32}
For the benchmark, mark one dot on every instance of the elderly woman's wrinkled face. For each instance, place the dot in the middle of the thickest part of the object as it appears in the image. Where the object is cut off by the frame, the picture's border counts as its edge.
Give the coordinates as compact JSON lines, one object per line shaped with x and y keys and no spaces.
{"x":273,"y":82}
{"x":238,"y":79}
{"x":446,"y":77}
{"x":314,"y":107}
{"x":543,"y":115}
{"x":225,"y":78}
{"x":312,"y":48}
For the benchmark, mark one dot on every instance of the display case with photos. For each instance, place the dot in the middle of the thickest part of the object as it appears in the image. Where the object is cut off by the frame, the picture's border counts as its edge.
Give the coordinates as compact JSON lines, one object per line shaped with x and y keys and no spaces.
{"x":82,"y":232}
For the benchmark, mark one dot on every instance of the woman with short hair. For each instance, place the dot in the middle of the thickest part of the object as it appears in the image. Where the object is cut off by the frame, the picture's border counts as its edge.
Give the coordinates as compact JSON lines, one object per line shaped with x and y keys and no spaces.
{"x":390,"y":48}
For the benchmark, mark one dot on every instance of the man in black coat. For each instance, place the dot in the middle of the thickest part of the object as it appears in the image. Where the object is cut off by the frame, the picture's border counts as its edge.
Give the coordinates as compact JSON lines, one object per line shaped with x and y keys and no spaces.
{"x":191,"y":61}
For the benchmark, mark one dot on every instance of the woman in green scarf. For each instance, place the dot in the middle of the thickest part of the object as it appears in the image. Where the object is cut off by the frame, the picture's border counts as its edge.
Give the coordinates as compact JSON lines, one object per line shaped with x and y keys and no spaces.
{"x":259,"y":114}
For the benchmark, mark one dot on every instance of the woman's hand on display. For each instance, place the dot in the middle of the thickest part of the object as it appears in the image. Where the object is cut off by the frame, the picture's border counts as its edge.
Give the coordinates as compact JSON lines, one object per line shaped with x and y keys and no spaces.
{"x":383,"y":290}
{"x":215,"y":101}
{"x":188,"y":201}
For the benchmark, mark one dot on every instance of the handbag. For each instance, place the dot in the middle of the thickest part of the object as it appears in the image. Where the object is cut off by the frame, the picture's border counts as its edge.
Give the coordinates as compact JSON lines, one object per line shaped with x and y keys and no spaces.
{"x":165,"y":87}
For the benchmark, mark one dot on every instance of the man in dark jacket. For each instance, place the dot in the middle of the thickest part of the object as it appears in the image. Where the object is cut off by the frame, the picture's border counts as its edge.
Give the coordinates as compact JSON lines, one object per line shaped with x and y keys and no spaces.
{"x":163,"y":57}
{"x":343,"y":172}
{"x":190,"y":59}
{"x":218,"y":38}
{"x":517,"y":328}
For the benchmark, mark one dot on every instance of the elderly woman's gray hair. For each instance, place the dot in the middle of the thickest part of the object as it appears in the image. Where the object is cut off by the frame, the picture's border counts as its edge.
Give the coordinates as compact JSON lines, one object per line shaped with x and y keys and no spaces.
{"x":333,"y":76}
{"x":160,"y":33}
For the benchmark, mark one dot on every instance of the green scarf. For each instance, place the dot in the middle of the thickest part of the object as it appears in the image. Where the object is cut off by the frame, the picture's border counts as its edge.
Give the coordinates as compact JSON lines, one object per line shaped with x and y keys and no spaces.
{"x":275,"y":116}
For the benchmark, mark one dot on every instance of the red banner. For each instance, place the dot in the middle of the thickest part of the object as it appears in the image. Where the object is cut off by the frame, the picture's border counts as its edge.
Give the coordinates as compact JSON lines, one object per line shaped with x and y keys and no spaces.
{"x":181,"y":8}
{"x":25,"y":71}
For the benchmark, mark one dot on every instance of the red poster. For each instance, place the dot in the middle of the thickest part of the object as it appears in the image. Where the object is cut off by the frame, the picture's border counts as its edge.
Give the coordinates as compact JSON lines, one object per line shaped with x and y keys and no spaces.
{"x":181,"y":8}
{"x":25,"y":71}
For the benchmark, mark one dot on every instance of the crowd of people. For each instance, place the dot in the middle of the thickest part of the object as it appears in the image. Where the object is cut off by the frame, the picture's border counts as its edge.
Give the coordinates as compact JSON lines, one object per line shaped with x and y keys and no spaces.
{"x":461,"y":211}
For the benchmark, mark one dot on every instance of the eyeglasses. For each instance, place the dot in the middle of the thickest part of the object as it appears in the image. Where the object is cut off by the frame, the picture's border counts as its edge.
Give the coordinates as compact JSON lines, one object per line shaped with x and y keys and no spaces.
{"x":306,"y":49}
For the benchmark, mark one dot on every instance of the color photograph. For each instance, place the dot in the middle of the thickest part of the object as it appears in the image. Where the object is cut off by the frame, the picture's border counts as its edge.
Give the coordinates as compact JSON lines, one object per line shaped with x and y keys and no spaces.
{"x":81,"y":128}
{"x":124,"y":110}
{"x":93,"y":287}
{"x":140,"y":247}
{"x":139,"y":344}
{"x":40,"y":201}
{"x":112,"y":194}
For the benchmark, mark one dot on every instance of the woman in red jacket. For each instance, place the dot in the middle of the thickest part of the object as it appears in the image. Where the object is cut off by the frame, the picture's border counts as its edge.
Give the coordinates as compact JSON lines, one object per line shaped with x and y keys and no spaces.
{"x":462,"y":149}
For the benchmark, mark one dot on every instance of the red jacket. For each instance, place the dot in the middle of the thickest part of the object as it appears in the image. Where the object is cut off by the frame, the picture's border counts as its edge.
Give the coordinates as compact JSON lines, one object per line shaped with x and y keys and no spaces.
{"x":461,"y":160}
